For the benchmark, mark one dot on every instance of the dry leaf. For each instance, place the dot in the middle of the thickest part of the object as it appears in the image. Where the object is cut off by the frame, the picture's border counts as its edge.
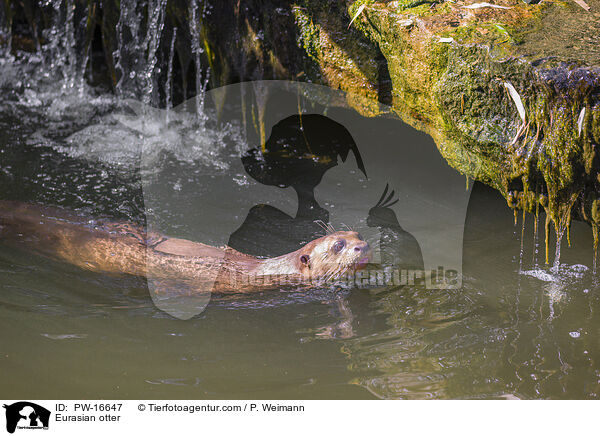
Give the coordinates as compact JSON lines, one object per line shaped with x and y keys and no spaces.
{"x":517,"y":99}
{"x":580,"y":121}
{"x":360,"y":9}
{"x":486,"y":5}
{"x":583,"y":4}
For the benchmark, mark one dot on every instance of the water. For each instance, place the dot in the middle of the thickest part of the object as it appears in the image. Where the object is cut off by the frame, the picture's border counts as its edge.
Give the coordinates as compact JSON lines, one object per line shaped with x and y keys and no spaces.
{"x":195,"y":27}
{"x":571,"y":35}
{"x":5,"y":31}
{"x":515,"y":328}
{"x":168,"y":92}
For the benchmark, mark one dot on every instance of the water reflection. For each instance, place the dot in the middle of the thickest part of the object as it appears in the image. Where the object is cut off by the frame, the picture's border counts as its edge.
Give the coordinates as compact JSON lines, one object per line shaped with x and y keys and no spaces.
{"x":504,"y":335}
{"x":515,"y":329}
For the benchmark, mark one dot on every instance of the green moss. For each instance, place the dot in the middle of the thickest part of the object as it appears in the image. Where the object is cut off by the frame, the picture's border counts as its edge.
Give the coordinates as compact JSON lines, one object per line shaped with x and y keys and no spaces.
{"x":346,"y":59}
{"x":454,"y":91}
{"x":309,"y":33}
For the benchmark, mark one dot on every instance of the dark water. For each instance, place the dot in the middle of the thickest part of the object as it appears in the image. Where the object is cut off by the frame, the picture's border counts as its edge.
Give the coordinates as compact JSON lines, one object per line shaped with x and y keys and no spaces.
{"x":515,"y":328}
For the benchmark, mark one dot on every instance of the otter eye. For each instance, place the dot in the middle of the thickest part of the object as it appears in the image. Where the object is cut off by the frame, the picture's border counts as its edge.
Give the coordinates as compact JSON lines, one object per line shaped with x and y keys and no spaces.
{"x":338,"y":246}
{"x":304,"y":259}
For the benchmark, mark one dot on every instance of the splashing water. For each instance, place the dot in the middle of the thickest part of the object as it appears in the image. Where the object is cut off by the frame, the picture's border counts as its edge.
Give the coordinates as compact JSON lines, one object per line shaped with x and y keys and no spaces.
{"x":197,"y":50}
{"x":48,"y":88}
{"x":557,"y":280}
{"x":119,"y":139}
{"x":128,"y":54}
{"x":5,"y":32}
{"x":156,"y":22}
{"x":168,"y":85}
{"x":60,"y":53}
{"x":51,"y":91}
{"x":136,"y":55}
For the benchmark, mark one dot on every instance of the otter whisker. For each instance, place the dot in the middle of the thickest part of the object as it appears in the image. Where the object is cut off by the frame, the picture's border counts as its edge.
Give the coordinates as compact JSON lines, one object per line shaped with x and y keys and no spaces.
{"x":328,"y":227}
{"x":330,"y":275}
{"x":321,"y":224}
{"x":335,"y":271}
{"x":348,"y":227}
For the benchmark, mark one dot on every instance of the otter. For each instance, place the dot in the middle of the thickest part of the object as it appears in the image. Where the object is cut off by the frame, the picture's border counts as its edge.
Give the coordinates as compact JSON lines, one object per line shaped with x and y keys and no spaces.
{"x":125,"y":248}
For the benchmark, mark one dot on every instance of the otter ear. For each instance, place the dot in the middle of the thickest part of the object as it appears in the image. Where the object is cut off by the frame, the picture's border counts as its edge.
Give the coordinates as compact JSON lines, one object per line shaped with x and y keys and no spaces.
{"x":304,"y":259}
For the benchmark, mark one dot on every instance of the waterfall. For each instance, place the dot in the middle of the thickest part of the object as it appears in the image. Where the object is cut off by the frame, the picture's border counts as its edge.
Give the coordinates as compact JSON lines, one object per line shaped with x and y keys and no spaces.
{"x":128,"y":55}
{"x":137,"y":48}
{"x":5,"y":29}
{"x":71,"y":57}
{"x":139,"y":55}
{"x":61,"y":53}
{"x":197,"y":51}
{"x":168,"y":85}
{"x":54,"y":54}
{"x":156,"y":19}
{"x":87,"y":45}
{"x":560,"y":232}
{"x":535,"y":234}
{"x":522,"y":250}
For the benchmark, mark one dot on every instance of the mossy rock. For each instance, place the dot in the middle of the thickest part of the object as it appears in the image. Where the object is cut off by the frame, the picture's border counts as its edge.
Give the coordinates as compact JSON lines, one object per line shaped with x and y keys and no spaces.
{"x":453,"y":70}
{"x":446,"y":68}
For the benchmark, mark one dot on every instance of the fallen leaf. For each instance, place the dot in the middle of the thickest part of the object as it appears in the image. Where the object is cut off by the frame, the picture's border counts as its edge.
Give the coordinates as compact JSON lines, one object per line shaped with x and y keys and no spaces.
{"x":488,"y":5}
{"x":360,"y":9}
{"x":583,"y":4}
{"x":517,"y":99}
{"x":580,"y":121}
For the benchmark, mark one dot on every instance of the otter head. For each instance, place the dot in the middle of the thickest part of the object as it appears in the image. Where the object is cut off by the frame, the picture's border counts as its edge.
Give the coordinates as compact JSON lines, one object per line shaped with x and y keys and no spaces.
{"x":332,"y":256}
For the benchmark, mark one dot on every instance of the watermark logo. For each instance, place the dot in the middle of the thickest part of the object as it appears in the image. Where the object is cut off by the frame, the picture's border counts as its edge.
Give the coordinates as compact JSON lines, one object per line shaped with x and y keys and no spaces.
{"x":370,"y":277}
{"x":263,"y":168}
{"x":25,"y":415}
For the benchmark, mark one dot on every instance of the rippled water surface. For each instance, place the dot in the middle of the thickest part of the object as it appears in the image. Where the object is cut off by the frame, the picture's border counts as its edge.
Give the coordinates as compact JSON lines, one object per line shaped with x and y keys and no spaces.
{"x":517,"y":328}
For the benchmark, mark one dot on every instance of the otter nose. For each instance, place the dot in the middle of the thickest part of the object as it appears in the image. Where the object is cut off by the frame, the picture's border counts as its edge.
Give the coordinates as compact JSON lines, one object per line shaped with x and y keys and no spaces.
{"x":361,"y":247}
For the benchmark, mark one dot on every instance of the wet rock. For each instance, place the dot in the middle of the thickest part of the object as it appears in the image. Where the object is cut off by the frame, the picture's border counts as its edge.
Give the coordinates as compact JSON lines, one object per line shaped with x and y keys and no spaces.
{"x":509,"y":90}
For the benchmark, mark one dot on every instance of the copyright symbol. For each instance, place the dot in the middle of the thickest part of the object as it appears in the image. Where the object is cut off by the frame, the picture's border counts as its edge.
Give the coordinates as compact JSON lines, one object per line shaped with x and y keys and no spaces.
{"x":141,"y":407}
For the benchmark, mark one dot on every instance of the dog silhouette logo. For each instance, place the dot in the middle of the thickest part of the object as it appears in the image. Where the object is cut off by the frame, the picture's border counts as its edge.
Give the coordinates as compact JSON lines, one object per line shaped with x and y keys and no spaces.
{"x":26,"y":415}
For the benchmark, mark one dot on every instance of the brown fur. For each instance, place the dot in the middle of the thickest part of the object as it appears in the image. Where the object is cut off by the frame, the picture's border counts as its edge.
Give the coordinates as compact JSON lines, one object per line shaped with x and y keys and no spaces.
{"x":123,"y":248}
